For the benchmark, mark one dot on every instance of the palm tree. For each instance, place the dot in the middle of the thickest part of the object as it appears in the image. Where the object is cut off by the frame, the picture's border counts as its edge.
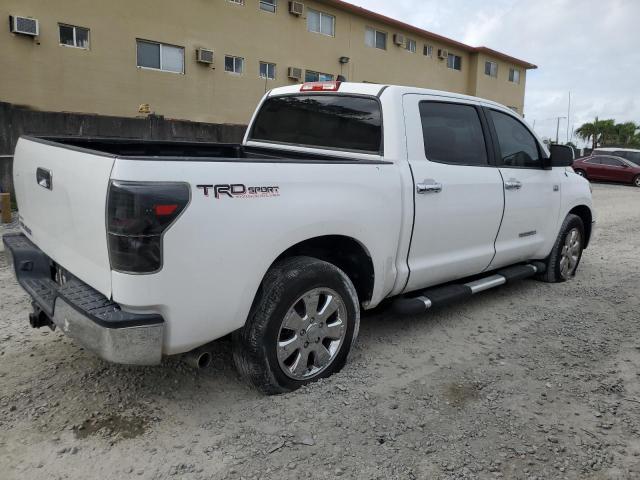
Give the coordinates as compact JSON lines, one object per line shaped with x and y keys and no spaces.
{"x":626,"y":132}
{"x":600,"y":132}
{"x":589,"y":132}
{"x":608,"y":132}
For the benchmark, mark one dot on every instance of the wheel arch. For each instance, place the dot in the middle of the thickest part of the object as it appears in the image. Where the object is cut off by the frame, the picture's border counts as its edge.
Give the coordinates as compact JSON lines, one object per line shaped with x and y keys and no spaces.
{"x":585,"y":214}
{"x":346,"y":253}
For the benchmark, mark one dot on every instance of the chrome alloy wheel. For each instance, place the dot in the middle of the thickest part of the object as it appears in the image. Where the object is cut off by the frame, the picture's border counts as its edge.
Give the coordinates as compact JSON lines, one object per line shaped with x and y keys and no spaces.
{"x":570,"y":253}
{"x":636,"y":181}
{"x":312,"y":333}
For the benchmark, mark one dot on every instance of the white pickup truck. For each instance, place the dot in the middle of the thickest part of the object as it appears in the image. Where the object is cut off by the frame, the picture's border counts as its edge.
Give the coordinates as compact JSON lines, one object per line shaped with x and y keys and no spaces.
{"x":340,"y":196}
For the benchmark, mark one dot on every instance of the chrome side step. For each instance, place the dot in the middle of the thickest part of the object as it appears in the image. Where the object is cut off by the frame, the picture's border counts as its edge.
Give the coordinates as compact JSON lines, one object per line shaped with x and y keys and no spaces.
{"x":439,"y":296}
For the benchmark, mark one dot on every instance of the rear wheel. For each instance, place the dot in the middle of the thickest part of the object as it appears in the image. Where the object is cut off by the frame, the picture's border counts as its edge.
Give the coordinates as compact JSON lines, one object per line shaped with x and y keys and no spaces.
{"x":567,"y":251}
{"x":636,"y":181}
{"x":582,"y":173}
{"x":301,"y":327}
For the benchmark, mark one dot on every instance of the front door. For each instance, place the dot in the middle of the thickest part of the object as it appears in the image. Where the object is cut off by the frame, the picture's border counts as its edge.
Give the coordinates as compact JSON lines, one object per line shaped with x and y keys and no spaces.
{"x":532,"y":194}
{"x":458,"y":195}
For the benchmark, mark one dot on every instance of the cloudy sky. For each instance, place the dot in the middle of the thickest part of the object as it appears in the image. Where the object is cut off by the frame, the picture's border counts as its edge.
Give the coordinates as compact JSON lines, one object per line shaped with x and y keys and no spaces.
{"x":588,"y":47}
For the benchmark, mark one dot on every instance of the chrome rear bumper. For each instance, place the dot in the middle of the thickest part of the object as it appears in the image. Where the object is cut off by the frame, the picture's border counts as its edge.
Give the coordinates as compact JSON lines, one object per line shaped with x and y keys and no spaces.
{"x":87,"y":316}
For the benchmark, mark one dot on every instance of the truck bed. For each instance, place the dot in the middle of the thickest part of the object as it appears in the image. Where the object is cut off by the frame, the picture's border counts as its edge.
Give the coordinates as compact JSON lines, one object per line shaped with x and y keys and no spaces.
{"x":176,"y":150}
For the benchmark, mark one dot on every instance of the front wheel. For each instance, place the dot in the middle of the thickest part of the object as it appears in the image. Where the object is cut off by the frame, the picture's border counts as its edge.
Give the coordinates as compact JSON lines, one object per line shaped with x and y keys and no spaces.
{"x":565,"y":257}
{"x":301,"y":327}
{"x":582,"y":173}
{"x":636,"y":181}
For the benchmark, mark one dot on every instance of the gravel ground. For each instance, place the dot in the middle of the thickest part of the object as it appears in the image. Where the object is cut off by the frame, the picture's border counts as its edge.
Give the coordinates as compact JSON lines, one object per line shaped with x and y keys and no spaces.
{"x":529,"y":381}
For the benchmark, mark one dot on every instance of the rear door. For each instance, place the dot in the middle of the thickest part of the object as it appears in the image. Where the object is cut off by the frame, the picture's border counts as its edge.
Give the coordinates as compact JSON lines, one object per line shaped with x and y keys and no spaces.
{"x":532,"y":194}
{"x":458,"y":194}
{"x":61,"y":194}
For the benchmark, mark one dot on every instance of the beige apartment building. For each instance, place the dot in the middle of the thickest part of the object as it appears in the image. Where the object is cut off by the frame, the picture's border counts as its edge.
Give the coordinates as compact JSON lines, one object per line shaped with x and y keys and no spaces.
{"x":118,"y":57}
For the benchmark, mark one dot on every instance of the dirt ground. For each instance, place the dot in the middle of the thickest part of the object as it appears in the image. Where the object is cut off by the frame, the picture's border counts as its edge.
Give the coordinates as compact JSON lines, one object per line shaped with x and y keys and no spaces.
{"x":529,"y":381}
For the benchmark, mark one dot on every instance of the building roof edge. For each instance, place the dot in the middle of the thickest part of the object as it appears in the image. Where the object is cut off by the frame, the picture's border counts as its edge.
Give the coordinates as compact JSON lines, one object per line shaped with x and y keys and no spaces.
{"x":363,"y":12}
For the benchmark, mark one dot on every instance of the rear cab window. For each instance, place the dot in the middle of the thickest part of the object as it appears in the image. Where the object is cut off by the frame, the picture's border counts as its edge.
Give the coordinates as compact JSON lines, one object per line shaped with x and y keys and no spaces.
{"x":328,"y":121}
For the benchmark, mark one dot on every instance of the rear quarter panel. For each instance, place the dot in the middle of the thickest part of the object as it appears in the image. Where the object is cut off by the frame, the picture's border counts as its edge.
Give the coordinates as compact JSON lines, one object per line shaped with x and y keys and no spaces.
{"x":217,"y":253}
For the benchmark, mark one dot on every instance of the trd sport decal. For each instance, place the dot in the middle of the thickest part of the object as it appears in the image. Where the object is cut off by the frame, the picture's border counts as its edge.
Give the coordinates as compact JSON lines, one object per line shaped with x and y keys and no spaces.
{"x":239,"y":190}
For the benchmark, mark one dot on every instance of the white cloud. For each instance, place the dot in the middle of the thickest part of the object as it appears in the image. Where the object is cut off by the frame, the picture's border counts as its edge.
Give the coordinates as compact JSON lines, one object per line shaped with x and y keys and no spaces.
{"x":588,"y":47}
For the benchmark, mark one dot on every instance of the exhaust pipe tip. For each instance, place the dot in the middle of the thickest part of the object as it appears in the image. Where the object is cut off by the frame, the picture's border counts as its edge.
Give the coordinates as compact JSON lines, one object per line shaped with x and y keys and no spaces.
{"x":199,"y":359}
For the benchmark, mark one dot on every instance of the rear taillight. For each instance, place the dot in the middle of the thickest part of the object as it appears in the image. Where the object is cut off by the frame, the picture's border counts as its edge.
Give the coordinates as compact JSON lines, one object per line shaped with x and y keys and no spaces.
{"x":138,"y":214}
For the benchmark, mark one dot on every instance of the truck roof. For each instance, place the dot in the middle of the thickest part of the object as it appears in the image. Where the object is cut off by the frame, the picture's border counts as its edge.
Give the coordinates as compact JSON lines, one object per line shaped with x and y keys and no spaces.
{"x":377,"y":89}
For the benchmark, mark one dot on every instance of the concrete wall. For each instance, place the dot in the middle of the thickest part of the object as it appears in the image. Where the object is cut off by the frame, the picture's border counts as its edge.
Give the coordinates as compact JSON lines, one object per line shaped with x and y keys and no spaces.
{"x":16,"y":121}
{"x":104,"y":79}
{"x":6,"y":172}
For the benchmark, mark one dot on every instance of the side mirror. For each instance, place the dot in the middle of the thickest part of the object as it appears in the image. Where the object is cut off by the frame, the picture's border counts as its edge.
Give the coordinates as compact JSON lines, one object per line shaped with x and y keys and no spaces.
{"x":561,"y":156}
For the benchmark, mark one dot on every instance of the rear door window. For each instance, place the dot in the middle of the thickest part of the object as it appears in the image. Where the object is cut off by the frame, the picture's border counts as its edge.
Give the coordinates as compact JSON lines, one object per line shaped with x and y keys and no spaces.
{"x":339,"y":122}
{"x":453,"y":133}
{"x":612,"y":162}
{"x":518,"y":147}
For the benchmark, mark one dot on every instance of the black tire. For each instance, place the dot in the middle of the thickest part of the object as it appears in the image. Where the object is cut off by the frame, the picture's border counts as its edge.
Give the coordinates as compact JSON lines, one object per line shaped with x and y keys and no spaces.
{"x":255,"y":346}
{"x":553,"y":273}
{"x":582,"y":173}
{"x":636,"y":181}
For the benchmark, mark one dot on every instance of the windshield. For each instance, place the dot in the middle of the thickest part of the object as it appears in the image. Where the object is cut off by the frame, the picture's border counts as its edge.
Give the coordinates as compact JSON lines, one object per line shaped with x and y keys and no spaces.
{"x":326,"y":121}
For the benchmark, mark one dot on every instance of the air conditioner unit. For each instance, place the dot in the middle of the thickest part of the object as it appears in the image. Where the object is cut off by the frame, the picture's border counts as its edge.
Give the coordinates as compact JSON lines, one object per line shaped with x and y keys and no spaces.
{"x":294,"y":73}
{"x":442,"y":53}
{"x":24,"y":25}
{"x":296,"y":8}
{"x":398,"y":39}
{"x":204,"y":55}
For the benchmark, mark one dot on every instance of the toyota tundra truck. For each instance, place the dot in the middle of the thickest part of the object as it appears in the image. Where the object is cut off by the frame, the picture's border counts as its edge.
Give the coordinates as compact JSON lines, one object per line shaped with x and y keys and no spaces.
{"x":340,"y":196}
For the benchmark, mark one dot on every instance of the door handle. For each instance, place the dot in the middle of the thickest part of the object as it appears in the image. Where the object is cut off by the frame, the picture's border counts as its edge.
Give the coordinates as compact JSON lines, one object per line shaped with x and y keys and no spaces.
{"x":512,"y":184}
{"x":428,"y":186}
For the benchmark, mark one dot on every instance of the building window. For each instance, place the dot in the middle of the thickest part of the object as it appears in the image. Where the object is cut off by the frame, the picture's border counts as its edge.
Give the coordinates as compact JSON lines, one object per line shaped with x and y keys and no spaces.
{"x":311,"y":76}
{"x":268,"y":5}
{"x":233,"y":64}
{"x":319,"y":22}
{"x":491,"y":69}
{"x":74,"y":36}
{"x":411,"y":45}
{"x":454,"y":62}
{"x":427,"y":51}
{"x":375,"y":38}
{"x":268,"y":70}
{"x":514,"y":75}
{"x":160,"y":56}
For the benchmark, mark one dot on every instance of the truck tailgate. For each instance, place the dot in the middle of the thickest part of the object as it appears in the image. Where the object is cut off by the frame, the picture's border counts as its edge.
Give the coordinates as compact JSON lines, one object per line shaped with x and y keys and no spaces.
{"x":62,"y":194}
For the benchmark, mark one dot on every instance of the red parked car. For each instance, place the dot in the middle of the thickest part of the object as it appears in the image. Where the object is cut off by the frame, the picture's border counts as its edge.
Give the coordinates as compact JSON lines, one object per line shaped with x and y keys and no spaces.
{"x":608,"y":168}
